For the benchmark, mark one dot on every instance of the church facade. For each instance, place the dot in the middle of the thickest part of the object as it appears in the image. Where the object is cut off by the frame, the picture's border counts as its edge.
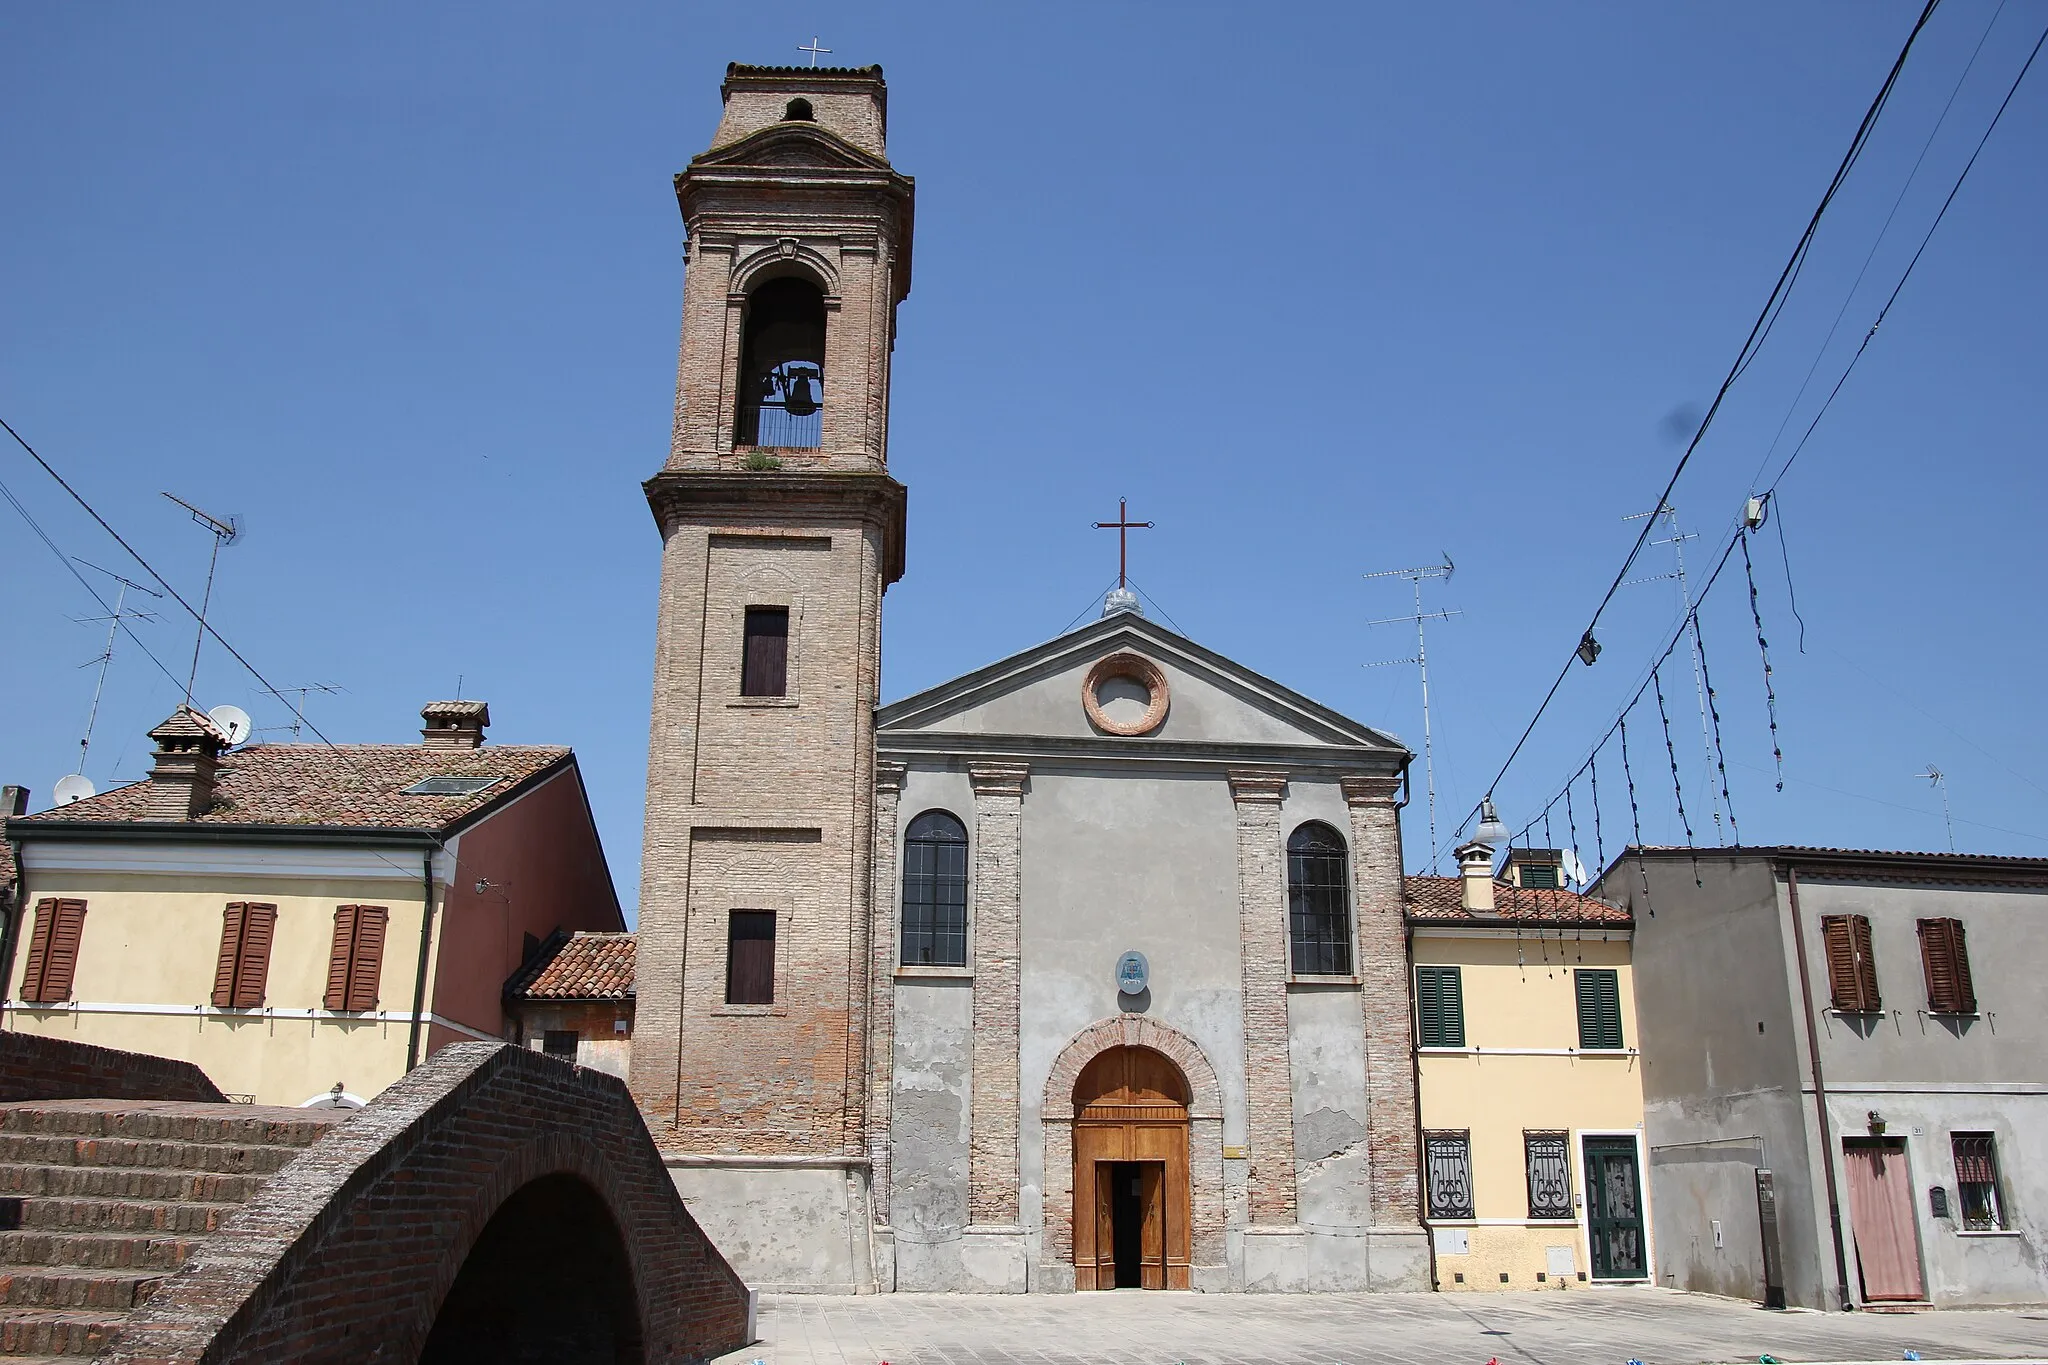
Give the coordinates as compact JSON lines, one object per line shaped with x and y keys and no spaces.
{"x":1085,"y":970}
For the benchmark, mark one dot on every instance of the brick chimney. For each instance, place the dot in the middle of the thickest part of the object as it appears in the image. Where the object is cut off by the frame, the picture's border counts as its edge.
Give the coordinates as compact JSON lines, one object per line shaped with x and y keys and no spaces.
{"x":188,"y":749}
{"x":454,"y":724}
{"x":1475,"y":869}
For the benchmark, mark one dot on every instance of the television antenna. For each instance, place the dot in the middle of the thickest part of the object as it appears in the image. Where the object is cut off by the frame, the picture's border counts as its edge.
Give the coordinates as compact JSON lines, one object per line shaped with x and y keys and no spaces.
{"x":106,"y":655}
{"x":1939,"y":780}
{"x":299,"y":707}
{"x":224,"y":533}
{"x":1421,"y":659}
{"x":1676,"y":540}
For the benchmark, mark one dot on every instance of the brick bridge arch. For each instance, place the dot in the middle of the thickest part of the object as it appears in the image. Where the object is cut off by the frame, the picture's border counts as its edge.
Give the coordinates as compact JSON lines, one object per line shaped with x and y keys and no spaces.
{"x":1205,"y":1142}
{"x":482,"y":1168}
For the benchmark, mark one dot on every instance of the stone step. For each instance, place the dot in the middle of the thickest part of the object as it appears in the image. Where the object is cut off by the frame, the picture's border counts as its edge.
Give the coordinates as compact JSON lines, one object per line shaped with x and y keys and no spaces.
{"x":121,"y":1215}
{"x":47,"y":1287}
{"x":53,"y":1149}
{"x":55,"y":1333}
{"x":107,"y":1182}
{"x":95,"y":1250}
{"x":236,"y":1124}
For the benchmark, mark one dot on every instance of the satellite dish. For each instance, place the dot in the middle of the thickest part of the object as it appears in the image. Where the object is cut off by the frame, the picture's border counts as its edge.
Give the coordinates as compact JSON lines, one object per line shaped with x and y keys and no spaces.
{"x":1573,"y":868}
{"x":73,"y":788}
{"x":232,"y":721}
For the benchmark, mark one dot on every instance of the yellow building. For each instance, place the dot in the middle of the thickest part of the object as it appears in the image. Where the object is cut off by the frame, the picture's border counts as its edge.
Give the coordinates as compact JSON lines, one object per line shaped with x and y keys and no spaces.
{"x":299,"y":919}
{"x":1531,"y":1085}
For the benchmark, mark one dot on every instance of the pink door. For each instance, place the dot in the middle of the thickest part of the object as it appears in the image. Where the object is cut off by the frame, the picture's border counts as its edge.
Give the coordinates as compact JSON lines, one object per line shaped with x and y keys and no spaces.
{"x":1881,"y":1218}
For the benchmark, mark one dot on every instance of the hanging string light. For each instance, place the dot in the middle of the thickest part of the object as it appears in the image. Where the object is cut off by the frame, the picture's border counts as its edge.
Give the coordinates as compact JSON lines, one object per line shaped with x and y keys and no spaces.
{"x":1599,"y":842}
{"x":1635,"y":816}
{"x":1677,"y":787}
{"x":1572,"y":824}
{"x":1714,"y":710}
{"x":1763,"y":649}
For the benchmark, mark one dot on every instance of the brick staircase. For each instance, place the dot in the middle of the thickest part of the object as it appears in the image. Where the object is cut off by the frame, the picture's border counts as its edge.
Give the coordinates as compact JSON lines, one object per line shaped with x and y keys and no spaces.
{"x":100,"y":1200}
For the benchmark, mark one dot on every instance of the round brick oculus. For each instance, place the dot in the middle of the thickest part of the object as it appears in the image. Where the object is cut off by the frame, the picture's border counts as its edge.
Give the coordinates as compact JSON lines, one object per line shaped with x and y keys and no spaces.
{"x":1131,"y":668}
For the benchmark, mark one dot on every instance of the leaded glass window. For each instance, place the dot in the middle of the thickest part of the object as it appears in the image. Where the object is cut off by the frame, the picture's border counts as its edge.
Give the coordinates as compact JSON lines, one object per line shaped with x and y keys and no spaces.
{"x":1447,"y":1158}
{"x":935,"y":891}
{"x":1550,"y":1174}
{"x":1318,"y":901}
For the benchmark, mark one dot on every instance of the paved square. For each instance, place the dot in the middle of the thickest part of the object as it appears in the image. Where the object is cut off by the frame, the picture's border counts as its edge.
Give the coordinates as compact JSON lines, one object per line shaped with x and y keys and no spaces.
{"x":1658,"y":1327}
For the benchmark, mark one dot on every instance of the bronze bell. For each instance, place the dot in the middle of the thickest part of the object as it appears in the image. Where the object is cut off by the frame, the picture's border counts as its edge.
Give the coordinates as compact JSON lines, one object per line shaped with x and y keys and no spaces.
{"x":801,"y":401}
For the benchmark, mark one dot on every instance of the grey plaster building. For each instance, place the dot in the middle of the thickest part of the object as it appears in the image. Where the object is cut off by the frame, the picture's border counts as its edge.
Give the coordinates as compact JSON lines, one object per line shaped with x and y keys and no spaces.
{"x":1241,"y":1115}
{"x":1868,"y":1028}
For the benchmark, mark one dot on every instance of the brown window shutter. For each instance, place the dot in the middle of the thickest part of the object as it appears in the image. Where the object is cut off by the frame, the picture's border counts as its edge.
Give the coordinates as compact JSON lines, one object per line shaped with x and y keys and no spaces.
{"x":1866,"y":963}
{"x":38,"y":951}
{"x":339,"y":956}
{"x":366,"y":963}
{"x":1949,"y":989}
{"x":60,"y":960}
{"x":224,"y":969}
{"x":1843,"y":986}
{"x":252,"y":963}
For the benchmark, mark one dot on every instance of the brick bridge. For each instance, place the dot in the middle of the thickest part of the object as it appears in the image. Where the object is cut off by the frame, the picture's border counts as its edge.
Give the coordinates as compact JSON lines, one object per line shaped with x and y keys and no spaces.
{"x":494,"y":1205}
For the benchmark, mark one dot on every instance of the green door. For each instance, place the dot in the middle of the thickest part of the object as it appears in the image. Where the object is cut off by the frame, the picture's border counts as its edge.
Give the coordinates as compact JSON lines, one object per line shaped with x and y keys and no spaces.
{"x":1614,"y":1209}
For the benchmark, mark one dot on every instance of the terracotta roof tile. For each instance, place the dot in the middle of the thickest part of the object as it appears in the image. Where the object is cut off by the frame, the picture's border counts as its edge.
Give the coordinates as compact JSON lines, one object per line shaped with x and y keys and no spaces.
{"x":353,"y":785}
{"x":580,"y":966}
{"x":1441,"y":900}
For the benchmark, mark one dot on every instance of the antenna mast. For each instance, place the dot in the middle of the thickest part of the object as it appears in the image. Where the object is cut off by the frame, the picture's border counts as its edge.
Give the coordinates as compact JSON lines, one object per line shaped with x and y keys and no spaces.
{"x":299,"y":708}
{"x":1421,"y":660}
{"x":1676,"y":540}
{"x":224,"y":533}
{"x":106,"y":656}
{"x":1937,"y":778}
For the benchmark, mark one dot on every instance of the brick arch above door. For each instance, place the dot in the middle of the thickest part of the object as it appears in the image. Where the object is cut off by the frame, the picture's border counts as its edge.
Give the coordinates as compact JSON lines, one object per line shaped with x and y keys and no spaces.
{"x":1133,"y":1030}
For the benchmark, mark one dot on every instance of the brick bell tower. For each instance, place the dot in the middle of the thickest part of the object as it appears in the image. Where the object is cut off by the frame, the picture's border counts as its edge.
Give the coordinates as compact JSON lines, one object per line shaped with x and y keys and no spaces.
{"x":781,"y":528}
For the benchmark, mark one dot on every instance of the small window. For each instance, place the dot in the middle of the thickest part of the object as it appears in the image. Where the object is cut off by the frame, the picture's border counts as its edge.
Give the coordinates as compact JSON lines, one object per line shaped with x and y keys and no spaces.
{"x":750,"y":958}
{"x":1318,"y":900}
{"x":1852,"y":970}
{"x":1550,"y":1174}
{"x":1447,"y":1158}
{"x":1977,"y":1182}
{"x":935,"y":891}
{"x":1599,"y":1007}
{"x":1947,"y":963}
{"x":450,"y":786}
{"x":240,"y":974}
{"x":559,"y":1042}
{"x":53,"y":951}
{"x":798,"y":111}
{"x":1440,"y":1006}
{"x":1539,"y":876}
{"x":356,"y":959}
{"x":764,"y":672}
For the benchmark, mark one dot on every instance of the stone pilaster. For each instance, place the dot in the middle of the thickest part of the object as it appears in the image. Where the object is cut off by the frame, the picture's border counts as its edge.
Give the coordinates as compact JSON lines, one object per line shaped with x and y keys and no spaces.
{"x":883,"y":922}
{"x":1384,"y":1000}
{"x":992,"y":1153}
{"x":1262,"y":945}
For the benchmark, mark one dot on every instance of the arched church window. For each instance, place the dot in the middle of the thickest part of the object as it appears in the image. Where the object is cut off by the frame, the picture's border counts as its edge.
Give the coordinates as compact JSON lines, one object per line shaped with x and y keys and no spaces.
{"x":799,"y":110}
{"x":935,"y":892}
{"x":1318,"y":901}
{"x":782,"y":366}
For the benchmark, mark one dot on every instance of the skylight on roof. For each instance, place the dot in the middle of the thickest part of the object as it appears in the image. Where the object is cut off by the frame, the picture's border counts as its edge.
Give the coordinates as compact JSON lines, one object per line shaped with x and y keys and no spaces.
{"x":450,"y":786}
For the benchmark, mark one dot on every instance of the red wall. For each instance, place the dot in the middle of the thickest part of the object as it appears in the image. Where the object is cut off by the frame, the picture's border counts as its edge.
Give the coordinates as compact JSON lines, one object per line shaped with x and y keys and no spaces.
{"x":545,"y":868}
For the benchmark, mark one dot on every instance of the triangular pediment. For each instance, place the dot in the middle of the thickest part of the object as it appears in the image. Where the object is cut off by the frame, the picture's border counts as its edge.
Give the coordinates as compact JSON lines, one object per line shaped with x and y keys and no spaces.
{"x":791,"y":144}
{"x":1215,"y":707}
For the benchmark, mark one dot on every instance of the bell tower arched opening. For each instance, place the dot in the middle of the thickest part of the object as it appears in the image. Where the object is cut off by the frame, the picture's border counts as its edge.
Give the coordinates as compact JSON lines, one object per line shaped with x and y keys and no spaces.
{"x":1132,"y":1210}
{"x":782,"y":366}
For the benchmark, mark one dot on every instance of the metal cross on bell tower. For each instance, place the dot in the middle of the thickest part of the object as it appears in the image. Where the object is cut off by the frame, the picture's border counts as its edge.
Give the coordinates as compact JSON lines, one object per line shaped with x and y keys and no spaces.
{"x":814,"y":50}
{"x":1121,"y":598}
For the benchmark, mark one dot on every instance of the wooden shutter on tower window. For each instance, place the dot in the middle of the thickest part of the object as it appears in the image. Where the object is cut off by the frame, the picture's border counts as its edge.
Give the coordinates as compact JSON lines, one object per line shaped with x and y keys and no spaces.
{"x":339,"y":956}
{"x":1852,"y":970}
{"x":1949,"y":990}
{"x":53,"y":951}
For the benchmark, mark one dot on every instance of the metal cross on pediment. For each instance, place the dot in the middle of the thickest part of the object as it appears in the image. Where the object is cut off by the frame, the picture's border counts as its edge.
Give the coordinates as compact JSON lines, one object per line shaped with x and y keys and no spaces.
{"x":1123,"y":526}
{"x":814,"y":49}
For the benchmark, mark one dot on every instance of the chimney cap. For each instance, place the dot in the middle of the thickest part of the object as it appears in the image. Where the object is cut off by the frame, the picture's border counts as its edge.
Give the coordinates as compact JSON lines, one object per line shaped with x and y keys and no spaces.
{"x":1471,"y":852}
{"x":457,"y":712}
{"x":187,"y":723}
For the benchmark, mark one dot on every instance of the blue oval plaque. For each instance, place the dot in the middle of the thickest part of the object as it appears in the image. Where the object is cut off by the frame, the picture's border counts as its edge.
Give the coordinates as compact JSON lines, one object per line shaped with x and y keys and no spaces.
{"x":1132,"y":973}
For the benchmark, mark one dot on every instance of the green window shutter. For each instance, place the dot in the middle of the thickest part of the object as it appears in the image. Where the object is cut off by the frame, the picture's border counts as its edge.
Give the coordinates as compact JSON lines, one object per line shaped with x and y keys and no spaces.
{"x":1599,"y":993}
{"x":1440,"y":1006}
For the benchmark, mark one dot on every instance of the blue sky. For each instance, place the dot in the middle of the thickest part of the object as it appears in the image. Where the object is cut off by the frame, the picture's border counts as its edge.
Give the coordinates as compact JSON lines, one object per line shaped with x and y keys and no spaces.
{"x":1323,"y":290}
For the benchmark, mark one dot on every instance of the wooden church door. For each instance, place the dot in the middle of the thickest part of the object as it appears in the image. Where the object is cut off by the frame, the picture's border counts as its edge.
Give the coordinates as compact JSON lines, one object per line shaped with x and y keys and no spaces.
{"x":1131,"y":1191}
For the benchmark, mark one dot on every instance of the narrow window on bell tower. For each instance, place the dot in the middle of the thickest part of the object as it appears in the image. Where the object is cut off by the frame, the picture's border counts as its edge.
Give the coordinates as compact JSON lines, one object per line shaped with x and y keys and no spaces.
{"x":764,"y":665}
{"x":782,"y":367}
